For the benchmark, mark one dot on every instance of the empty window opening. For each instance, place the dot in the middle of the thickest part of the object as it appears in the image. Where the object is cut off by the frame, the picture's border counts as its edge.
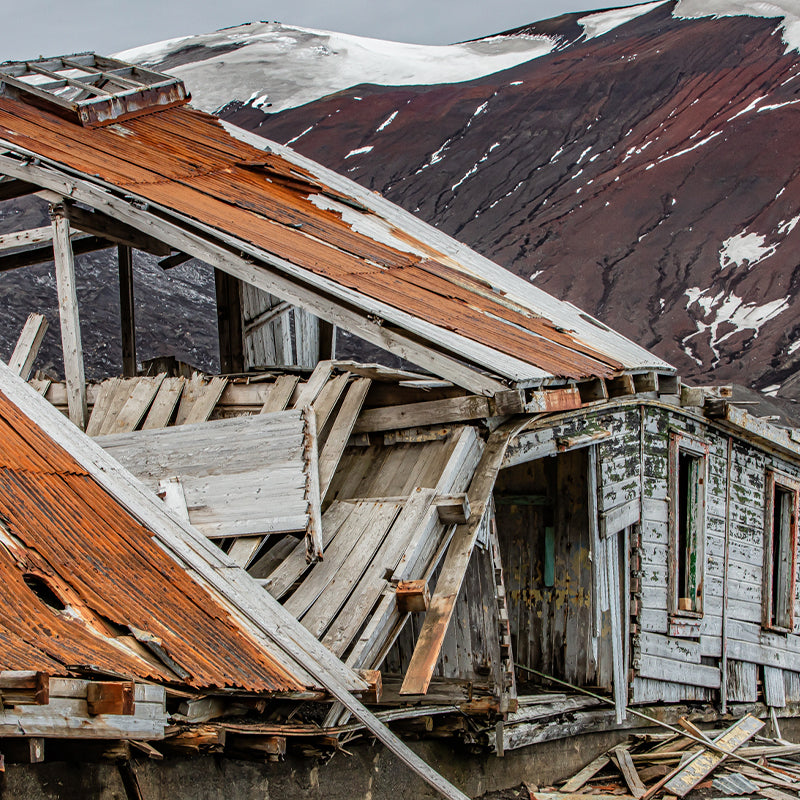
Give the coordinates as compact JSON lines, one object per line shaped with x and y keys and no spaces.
{"x":689,"y":483}
{"x":688,"y":459}
{"x":780,"y":544}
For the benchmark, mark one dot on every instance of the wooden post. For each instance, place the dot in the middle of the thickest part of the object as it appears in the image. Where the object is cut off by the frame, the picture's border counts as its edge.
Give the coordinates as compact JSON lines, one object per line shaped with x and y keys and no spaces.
{"x":125,"y":259}
{"x":70,"y":321}
{"x":229,"y":323}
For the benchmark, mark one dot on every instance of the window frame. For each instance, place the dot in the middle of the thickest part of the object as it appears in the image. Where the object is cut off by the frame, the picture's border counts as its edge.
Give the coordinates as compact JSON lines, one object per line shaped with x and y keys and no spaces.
{"x":776,"y":479}
{"x":684,"y":443}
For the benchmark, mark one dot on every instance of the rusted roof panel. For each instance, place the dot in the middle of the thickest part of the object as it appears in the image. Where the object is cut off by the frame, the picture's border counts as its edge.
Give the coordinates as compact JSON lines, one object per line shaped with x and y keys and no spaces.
{"x":85,"y":580}
{"x":185,"y":160}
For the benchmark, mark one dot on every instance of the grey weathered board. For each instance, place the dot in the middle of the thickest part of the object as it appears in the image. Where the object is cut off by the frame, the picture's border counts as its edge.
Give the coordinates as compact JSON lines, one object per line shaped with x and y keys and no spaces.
{"x":242,"y":476}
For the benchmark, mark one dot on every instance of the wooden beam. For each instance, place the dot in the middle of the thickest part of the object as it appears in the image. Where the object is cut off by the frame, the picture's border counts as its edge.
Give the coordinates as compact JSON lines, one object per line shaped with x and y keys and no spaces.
{"x":412,"y":596}
{"x":266,"y":317}
{"x":43,"y":254}
{"x":28,"y":344}
{"x":437,"y":619}
{"x":24,"y":687}
{"x":453,"y":509}
{"x":10,"y":241}
{"x":70,"y":320}
{"x":431,"y":412}
{"x":126,"y":310}
{"x":99,"y":224}
{"x":110,"y":697}
{"x":229,"y":323}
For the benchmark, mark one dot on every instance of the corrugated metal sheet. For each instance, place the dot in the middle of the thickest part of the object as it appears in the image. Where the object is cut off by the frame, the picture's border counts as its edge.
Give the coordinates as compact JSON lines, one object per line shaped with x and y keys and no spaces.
{"x":186,"y":161}
{"x":105,"y":578}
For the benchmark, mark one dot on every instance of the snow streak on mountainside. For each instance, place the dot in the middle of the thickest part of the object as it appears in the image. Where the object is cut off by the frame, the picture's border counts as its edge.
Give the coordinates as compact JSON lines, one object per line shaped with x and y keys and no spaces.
{"x":646,"y":169}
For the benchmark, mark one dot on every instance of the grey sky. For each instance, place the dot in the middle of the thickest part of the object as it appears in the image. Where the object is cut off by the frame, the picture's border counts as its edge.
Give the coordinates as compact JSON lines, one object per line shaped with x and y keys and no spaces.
{"x":45,"y":27}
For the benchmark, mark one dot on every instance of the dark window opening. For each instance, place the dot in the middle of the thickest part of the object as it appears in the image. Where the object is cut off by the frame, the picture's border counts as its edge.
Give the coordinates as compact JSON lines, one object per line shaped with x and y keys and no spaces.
{"x":779,"y":542}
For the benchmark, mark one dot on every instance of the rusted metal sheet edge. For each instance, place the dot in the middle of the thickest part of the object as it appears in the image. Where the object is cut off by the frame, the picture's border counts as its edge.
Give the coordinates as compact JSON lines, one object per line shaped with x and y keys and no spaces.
{"x":586,"y":328}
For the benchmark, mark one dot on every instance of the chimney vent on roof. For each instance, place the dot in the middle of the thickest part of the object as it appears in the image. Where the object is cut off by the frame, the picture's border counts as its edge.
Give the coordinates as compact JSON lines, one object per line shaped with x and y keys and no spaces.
{"x":89,"y":89}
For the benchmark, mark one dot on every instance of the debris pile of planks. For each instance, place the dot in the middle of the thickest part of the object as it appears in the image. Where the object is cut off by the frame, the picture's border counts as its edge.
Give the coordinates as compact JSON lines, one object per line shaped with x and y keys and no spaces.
{"x":712,"y":764}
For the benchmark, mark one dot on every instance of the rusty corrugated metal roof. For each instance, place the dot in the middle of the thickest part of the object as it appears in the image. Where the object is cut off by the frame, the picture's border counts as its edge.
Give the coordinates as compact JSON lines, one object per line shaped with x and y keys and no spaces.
{"x":185,"y":160}
{"x":80,"y":578}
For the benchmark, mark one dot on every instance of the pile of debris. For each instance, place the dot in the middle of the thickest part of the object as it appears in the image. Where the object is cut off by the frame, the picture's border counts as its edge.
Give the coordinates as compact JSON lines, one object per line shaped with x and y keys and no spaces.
{"x":711,"y":764}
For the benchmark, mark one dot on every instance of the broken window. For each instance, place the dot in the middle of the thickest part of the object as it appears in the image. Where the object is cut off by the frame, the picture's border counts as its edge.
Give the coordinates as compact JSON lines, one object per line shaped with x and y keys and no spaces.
{"x":780,"y":551}
{"x":688,"y":459}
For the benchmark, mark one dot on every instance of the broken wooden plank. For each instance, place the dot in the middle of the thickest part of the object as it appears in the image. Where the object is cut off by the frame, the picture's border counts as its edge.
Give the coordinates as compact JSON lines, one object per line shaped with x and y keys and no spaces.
{"x":313,"y":386}
{"x":70,"y":320}
{"x":589,"y":771}
{"x":164,"y":403}
{"x":280,"y":394}
{"x":171,"y":492}
{"x":340,"y":432}
{"x":244,"y":550}
{"x":553,"y":400}
{"x":430,"y":412}
{"x":101,"y":406}
{"x":136,"y":406}
{"x":326,"y":400}
{"x":628,"y":770}
{"x":706,"y":760}
{"x":206,"y":400}
{"x":27,"y":347}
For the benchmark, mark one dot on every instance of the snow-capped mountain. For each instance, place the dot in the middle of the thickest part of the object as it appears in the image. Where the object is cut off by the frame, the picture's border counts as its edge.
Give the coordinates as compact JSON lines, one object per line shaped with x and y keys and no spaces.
{"x":640,"y":162}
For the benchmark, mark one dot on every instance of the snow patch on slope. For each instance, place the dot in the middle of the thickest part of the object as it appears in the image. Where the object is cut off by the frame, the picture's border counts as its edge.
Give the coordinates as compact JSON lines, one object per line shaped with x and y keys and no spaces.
{"x":787,"y":10}
{"x":731,"y":311}
{"x":598,"y":24}
{"x":296,"y":65}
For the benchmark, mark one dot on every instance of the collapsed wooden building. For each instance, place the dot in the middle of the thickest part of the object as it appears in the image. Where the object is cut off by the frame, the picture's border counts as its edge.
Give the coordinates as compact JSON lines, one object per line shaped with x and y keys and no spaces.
{"x":535,"y":498}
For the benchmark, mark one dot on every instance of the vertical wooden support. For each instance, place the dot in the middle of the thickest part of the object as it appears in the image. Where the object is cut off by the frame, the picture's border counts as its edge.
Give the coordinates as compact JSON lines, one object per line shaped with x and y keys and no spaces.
{"x":125,"y":260}
{"x":70,"y":321}
{"x":229,"y":323}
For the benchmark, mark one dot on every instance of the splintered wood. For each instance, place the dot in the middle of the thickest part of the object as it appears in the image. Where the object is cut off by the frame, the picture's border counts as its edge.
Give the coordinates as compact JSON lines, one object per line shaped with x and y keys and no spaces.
{"x":675,"y":765}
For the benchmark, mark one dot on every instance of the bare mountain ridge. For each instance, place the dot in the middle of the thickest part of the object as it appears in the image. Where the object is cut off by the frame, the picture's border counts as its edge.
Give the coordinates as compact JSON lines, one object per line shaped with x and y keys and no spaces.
{"x":639,"y":164}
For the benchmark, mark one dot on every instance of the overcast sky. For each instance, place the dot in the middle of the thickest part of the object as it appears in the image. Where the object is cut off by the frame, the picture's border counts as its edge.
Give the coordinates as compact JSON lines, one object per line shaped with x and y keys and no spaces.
{"x":47,"y":27}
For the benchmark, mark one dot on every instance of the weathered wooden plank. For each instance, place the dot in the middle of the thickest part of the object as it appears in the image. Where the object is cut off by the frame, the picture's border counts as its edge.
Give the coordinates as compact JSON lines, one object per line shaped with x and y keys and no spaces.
{"x":326,"y":400}
{"x":431,"y":412}
{"x":706,"y":760}
{"x":774,"y":687}
{"x":205,"y":401}
{"x":70,"y":320}
{"x":340,"y":432}
{"x":617,"y":654}
{"x":164,"y":404}
{"x":553,"y":400}
{"x":171,"y":491}
{"x":580,"y":778}
{"x":335,"y":592}
{"x":27,"y":347}
{"x":280,"y":394}
{"x":244,"y":550}
{"x":136,"y":405}
{"x":313,"y":386}
{"x":622,"y":516}
{"x":628,"y":770}
{"x":108,"y":388}
{"x":664,"y":669}
{"x":291,"y":569}
{"x":437,"y":619}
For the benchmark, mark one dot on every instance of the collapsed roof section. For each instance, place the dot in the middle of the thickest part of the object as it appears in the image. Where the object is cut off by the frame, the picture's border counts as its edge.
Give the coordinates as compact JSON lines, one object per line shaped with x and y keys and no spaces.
{"x":279,"y":222}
